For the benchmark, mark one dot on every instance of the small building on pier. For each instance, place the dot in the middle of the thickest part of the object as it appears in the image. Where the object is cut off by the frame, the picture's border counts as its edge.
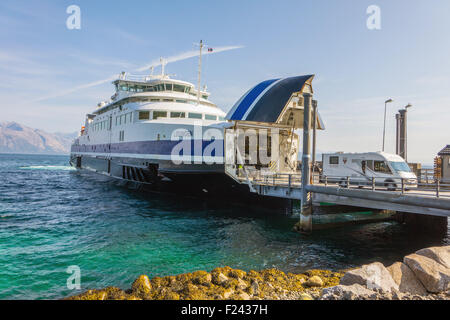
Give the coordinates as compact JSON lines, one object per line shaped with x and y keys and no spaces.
{"x":444,"y":162}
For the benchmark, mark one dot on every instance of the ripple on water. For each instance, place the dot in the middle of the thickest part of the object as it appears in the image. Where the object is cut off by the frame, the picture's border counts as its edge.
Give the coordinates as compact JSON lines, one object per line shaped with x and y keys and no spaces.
{"x":52,"y":217}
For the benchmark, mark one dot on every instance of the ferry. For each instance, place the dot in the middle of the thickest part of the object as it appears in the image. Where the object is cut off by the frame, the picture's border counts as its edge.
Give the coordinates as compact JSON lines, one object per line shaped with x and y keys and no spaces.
{"x":136,"y":136}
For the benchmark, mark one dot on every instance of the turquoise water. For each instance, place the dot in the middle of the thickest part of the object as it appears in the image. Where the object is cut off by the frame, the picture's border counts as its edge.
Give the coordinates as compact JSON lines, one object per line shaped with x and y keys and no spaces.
{"x":52,"y":217}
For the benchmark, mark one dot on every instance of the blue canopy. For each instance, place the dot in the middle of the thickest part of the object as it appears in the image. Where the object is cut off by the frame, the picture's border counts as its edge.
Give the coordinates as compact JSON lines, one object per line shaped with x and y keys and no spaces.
{"x":266,"y":101}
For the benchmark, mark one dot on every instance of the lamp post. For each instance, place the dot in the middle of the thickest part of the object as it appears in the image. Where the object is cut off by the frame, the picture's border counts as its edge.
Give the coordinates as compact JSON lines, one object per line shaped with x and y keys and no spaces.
{"x":409,"y":105}
{"x":384,"y":125}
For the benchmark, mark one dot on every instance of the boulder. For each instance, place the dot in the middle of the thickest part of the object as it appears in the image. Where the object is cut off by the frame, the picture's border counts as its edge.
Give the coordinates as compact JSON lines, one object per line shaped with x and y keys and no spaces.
{"x":439,"y":254}
{"x":352,"y":292}
{"x":141,"y":286}
{"x":406,"y":279}
{"x":304,"y":296}
{"x":434,"y":276}
{"x":314,"y":281}
{"x":241,"y":284}
{"x":373,"y":276}
{"x":221,"y":278}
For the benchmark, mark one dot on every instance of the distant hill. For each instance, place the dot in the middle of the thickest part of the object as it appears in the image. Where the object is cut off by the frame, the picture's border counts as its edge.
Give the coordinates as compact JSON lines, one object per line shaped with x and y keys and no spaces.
{"x":17,"y":138}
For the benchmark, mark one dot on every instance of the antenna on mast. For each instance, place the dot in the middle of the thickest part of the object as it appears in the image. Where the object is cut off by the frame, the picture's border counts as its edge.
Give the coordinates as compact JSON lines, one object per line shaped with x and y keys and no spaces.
{"x":163,"y":65}
{"x":199,"y":72}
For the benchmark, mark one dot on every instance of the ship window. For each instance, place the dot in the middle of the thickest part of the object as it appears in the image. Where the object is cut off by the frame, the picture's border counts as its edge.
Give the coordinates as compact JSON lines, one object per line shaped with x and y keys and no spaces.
{"x":168,"y":87}
{"x":168,"y":100}
{"x":210,"y":117}
{"x":222,"y":118}
{"x":205,"y":97}
{"x":178,"y":88}
{"x":181,"y":101}
{"x":177,"y":115}
{"x":160,"y":87}
{"x":187,"y":89}
{"x":132,"y":89}
{"x":139,"y":89}
{"x":334,"y":160}
{"x":130,"y":117}
{"x":195,"y":115}
{"x":144,"y":115}
{"x":124,"y":88}
{"x":124,"y":118}
{"x":154,"y":100}
{"x":159,"y":114}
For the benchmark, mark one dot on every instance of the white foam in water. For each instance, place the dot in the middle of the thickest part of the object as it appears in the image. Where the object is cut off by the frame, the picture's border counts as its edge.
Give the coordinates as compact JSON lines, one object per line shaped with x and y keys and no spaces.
{"x":48,"y":168}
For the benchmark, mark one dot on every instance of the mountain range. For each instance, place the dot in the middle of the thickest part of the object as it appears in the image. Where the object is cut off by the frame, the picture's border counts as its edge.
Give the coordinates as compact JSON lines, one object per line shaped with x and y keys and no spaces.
{"x":17,"y":138}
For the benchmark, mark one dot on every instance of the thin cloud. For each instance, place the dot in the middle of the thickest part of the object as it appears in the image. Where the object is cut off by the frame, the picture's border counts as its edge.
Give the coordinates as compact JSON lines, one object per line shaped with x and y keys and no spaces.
{"x":179,"y":57}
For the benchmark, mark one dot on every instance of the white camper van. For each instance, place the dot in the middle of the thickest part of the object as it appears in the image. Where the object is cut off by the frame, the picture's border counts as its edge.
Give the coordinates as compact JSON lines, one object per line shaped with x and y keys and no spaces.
{"x":387,"y":169}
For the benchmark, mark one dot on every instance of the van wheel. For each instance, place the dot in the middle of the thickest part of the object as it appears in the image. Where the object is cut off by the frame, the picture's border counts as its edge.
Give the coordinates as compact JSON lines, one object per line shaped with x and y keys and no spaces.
{"x":391,"y":186}
{"x":343,"y":183}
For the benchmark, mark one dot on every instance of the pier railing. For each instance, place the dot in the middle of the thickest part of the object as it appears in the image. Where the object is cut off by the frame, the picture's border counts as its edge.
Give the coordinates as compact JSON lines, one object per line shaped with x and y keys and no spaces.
{"x":414,"y":186}
{"x":400,"y":185}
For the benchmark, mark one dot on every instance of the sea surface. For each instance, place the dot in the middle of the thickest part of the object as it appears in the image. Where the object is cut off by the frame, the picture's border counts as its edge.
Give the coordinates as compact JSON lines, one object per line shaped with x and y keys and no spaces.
{"x":53,"y":217}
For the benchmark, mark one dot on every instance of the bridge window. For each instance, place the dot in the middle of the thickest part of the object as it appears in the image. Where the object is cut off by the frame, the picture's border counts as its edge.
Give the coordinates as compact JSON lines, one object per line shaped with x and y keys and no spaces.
{"x":178,"y":88}
{"x":168,"y":87}
{"x":144,"y":115}
{"x":159,"y":114}
{"x":210,"y":117}
{"x":193,"y":115}
{"x":334,"y":160}
{"x":177,"y":115}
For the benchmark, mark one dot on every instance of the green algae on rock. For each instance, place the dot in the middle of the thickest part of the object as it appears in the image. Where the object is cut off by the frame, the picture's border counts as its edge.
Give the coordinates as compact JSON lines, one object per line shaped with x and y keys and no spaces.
{"x":222,"y":283}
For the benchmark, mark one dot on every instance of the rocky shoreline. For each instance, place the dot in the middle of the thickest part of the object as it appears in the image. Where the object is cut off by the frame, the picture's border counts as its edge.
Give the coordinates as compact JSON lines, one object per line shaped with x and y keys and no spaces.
{"x":423,"y":275}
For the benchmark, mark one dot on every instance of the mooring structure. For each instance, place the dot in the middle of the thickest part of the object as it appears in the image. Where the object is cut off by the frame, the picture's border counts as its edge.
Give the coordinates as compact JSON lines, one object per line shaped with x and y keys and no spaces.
{"x":280,"y":111}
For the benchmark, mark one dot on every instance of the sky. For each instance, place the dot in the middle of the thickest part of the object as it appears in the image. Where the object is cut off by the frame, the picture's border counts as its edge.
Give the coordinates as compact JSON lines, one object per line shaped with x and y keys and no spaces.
{"x":48,"y":72}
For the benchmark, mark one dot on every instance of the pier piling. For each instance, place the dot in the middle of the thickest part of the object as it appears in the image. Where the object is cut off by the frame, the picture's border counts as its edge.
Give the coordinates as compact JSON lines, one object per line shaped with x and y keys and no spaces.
{"x":306,"y":211}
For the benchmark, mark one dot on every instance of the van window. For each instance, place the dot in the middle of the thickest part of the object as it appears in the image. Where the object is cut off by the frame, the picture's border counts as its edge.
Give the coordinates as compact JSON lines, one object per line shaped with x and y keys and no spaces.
{"x":144,"y":115}
{"x":334,"y":160}
{"x":159,"y":114}
{"x":400,"y":166}
{"x":381,"y":166}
